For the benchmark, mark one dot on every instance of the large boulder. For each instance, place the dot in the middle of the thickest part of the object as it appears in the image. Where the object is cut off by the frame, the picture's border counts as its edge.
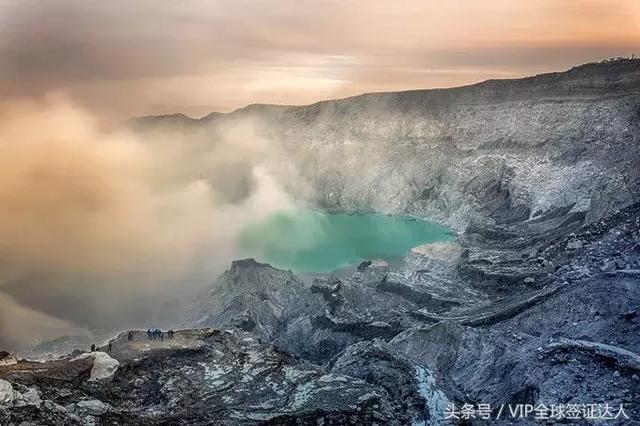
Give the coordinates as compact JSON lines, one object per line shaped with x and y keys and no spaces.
{"x":104,"y":367}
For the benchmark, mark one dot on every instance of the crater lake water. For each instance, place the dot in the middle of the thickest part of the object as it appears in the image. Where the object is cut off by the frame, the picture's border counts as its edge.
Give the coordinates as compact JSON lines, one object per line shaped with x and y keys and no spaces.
{"x":310,"y":241}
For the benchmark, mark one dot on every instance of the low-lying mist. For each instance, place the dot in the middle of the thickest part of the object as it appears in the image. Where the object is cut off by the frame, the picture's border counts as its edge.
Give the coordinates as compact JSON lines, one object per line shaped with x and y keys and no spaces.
{"x":101,"y":228}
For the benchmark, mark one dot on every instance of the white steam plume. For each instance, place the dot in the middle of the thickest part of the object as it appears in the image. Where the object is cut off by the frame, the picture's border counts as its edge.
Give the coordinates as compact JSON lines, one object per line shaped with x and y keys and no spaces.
{"x":99,"y":228}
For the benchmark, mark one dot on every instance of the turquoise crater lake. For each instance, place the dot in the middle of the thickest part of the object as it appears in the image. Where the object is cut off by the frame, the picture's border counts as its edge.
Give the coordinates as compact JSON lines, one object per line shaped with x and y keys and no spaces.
{"x":312,"y":241}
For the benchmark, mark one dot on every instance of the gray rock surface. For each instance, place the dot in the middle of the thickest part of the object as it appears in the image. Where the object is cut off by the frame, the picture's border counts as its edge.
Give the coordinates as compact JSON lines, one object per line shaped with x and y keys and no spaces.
{"x":567,"y":337}
{"x":500,"y":151}
{"x":200,"y":377}
{"x":251,"y":295}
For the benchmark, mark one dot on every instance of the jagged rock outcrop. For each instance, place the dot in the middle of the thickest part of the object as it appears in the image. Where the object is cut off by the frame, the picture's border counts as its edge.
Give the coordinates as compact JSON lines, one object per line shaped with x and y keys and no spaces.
{"x":315,"y":321}
{"x":252,"y":295}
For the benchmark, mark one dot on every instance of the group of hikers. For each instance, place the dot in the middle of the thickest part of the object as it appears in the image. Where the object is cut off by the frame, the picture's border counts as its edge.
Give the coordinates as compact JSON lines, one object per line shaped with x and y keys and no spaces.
{"x":152,"y":334}
{"x":159,"y":334}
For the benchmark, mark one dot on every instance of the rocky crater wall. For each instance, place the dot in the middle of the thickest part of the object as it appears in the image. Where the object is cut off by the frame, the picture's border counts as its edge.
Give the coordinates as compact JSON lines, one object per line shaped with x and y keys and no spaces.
{"x":501,"y":151}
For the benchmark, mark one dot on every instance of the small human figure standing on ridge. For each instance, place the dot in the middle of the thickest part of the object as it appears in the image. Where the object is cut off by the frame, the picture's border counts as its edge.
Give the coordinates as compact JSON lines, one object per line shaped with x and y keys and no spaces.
{"x":130,"y":336}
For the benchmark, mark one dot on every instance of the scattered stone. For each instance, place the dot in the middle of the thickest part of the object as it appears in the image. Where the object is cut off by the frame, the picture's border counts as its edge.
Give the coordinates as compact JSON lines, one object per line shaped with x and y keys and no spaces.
{"x":31,"y":397}
{"x":89,"y":407}
{"x":364,"y":265}
{"x":7,"y":396}
{"x":7,"y":358}
{"x":574,"y":245}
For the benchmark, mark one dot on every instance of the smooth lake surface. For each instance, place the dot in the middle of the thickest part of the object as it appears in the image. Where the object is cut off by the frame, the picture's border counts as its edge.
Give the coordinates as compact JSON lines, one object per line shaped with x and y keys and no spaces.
{"x":312,"y":241}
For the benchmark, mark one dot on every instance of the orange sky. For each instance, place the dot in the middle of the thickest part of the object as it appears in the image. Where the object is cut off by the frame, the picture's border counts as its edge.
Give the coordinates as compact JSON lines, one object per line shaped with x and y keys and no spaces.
{"x":124,"y":57}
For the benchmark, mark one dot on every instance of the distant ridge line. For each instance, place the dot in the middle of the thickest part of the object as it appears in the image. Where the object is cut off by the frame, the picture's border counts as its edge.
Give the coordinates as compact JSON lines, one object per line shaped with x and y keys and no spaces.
{"x":599,"y":68}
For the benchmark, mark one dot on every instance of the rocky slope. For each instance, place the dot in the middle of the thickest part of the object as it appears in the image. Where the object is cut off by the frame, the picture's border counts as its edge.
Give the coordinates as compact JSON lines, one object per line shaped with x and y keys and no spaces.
{"x":537,"y":300}
{"x":545,"y":312}
{"x":536,"y":303}
{"x":495,"y":152}
{"x":199,"y":377}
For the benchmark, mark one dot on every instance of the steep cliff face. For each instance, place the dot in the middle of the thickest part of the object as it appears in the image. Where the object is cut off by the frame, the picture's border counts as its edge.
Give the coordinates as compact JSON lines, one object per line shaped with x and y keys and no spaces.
{"x":495,"y":152}
{"x":530,"y":145}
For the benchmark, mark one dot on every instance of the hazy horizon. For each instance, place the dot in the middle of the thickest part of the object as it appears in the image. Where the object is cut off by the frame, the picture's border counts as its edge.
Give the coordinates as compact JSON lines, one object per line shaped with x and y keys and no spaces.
{"x":122,"y":59}
{"x":473,"y":83}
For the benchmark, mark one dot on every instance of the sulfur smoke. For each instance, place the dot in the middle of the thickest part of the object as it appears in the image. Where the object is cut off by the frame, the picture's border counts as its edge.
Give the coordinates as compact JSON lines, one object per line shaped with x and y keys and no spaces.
{"x":100,"y":228}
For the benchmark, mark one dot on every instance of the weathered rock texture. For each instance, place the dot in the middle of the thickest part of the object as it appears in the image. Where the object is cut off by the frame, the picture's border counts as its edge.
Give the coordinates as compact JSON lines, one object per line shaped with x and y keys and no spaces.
{"x":496,"y":152}
{"x":201,"y":377}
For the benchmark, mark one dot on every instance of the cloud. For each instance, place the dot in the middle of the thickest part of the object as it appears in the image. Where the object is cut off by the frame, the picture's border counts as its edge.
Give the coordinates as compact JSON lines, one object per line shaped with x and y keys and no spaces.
{"x":124,"y":58}
{"x":22,"y":327}
{"x":103,"y":229}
